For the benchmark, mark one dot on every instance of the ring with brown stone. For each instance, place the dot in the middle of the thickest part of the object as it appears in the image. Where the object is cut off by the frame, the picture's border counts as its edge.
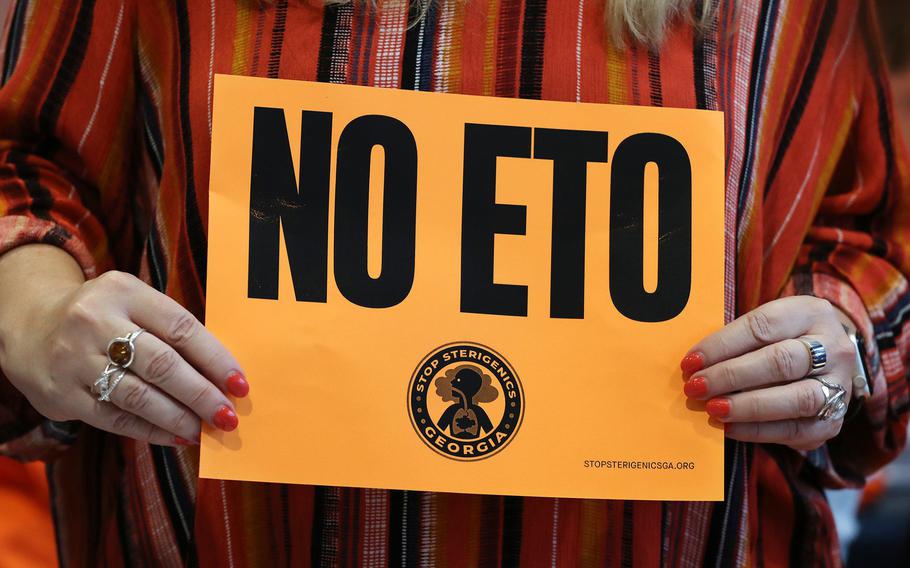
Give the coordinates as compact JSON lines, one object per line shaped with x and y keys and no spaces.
{"x":122,"y":350}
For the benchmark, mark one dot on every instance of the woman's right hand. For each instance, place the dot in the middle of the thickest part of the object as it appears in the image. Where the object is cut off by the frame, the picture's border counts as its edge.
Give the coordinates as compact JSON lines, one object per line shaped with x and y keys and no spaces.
{"x":180,"y":374}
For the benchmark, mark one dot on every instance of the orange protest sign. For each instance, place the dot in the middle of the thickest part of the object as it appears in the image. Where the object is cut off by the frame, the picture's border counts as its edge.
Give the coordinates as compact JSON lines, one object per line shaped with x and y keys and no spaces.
{"x":466,"y":294}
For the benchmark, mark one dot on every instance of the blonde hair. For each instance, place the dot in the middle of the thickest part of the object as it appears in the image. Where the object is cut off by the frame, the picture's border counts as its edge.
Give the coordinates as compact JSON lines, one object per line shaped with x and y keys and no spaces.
{"x":644,"y":21}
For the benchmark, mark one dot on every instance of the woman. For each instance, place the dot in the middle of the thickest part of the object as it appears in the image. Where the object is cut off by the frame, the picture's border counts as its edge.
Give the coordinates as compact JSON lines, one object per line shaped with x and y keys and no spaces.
{"x":105,"y":127}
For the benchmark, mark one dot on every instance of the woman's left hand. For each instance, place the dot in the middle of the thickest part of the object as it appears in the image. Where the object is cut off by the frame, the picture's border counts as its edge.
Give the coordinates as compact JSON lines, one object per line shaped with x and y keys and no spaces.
{"x":753,"y":372}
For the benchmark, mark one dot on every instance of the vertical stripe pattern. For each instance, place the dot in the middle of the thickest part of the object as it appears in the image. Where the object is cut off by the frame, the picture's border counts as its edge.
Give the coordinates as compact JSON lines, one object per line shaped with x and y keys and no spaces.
{"x":105,"y":125}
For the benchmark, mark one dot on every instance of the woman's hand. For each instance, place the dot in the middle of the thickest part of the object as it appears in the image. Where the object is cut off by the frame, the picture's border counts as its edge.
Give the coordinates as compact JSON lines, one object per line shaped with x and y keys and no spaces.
{"x":752,"y":373}
{"x":179,"y":376}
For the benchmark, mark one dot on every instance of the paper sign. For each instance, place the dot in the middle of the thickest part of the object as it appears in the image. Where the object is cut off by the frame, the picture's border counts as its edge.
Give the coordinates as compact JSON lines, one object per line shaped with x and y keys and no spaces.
{"x":464,"y":294}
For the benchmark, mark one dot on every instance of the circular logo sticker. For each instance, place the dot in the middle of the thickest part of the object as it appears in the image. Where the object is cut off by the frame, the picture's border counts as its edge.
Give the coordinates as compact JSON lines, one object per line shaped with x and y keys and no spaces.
{"x":465,"y":401}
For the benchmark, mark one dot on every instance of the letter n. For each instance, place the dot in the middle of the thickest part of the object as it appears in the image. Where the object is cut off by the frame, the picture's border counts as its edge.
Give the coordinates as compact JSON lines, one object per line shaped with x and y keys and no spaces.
{"x":278,"y":205}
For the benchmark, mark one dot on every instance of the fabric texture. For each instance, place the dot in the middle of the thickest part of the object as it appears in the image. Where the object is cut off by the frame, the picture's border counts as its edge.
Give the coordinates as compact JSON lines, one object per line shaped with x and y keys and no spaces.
{"x":105,"y":124}
{"x":26,"y":528}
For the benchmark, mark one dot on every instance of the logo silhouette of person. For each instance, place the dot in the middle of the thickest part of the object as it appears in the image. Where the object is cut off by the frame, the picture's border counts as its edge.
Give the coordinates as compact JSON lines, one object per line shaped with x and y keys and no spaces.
{"x":465,"y":418}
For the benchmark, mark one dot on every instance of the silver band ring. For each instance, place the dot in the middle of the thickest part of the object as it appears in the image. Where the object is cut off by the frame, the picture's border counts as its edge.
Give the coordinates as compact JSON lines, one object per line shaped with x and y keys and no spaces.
{"x":835,"y":406}
{"x":101,"y":383}
{"x":120,"y":354}
{"x":818,"y":357}
{"x":122,"y":350}
{"x":105,"y":395}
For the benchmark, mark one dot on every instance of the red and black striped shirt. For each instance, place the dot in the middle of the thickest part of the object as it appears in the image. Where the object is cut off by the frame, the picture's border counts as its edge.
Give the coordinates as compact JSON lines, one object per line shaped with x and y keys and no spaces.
{"x":105,"y":125}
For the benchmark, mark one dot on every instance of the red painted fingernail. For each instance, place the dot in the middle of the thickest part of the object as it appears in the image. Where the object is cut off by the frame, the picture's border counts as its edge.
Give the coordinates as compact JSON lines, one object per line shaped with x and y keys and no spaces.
{"x":184,"y":441}
{"x":225,"y":419}
{"x":692,"y":363}
{"x":696,"y":387}
{"x":718,"y":407}
{"x":237,"y":385}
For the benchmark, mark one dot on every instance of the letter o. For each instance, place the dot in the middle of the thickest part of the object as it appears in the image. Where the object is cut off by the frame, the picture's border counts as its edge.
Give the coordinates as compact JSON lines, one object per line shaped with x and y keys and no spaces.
{"x":674,"y":249}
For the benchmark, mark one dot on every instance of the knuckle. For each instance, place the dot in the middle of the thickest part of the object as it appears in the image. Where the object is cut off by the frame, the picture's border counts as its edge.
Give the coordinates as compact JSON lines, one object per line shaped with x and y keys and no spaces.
{"x":47,"y":403}
{"x":147,"y":433}
{"x":198,"y":397}
{"x":186,"y":422}
{"x":51,"y":398}
{"x":807,"y":401}
{"x":755,"y":407}
{"x":810,"y":443}
{"x":182,"y":329}
{"x":725,"y":343}
{"x":60,"y":352}
{"x":161,"y":366}
{"x":83,"y":313}
{"x":137,"y":397}
{"x":115,"y":280}
{"x":214,"y":360}
{"x":726,"y":377}
{"x":760,"y":326}
{"x":821,"y":306}
{"x":782,"y":362}
{"x":753,"y":430}
{"x":834,"y":429}
{"x":794,"y":429}
{"x":844,"y":350}
{"x":124,"y":423}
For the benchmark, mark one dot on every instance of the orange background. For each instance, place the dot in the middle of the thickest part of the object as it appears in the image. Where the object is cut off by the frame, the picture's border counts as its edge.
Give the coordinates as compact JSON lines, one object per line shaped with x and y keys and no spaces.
{"x":328,"y":404}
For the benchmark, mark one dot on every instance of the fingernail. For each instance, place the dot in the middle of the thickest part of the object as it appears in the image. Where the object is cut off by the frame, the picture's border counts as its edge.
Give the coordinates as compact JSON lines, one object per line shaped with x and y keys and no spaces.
{"x":718,"y":407}
{"x":237,"y":385}
{"x":225,"y":419}
{"x":184,"y":441}
{"x":696,"y":387}
{"x":717,"y":423}
{"x":692,"y":363}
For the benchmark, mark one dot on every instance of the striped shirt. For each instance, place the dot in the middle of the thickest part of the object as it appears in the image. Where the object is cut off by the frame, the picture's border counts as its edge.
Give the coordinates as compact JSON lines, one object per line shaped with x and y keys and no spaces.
{"x":105,"y":125}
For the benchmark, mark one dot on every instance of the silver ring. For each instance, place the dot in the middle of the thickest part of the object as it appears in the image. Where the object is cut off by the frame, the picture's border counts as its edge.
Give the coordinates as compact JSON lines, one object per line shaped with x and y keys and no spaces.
{"x":120,"y":354}
{"x":108,"y":381}
{"x":122,"y":350}
{"x":101,"y":383}
{"x":818,"y":356}
{"x":835,"y":406}
{"x":105,"y":394}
